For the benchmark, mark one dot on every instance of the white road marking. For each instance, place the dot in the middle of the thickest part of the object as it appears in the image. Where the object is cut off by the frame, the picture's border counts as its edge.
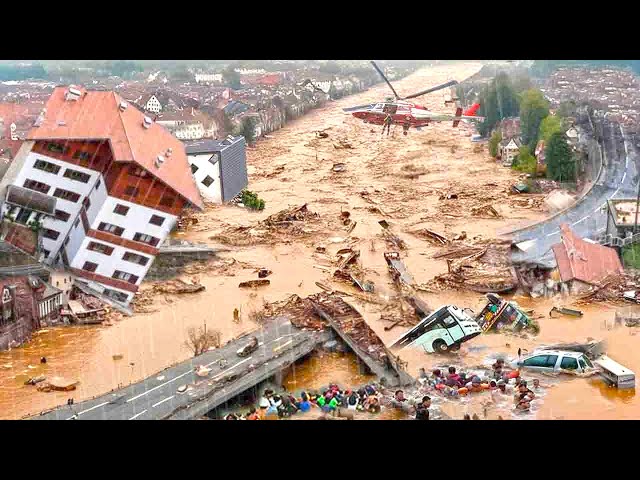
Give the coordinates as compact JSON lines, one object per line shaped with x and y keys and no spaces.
{"x":624,"y":176}
{"x":159,"y":386}
{"x":93,"y":408}
{"x":552,"y":234}
{"x":138,"y":414}
{"x":581,"y":220}
{"x":162,"y":401}
{"x":230,"y":368}
{"x":283,"y":345}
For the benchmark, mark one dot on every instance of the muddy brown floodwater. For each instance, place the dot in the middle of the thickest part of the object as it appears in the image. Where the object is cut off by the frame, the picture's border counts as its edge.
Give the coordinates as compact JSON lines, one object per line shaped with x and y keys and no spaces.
{"x":403,"y":180}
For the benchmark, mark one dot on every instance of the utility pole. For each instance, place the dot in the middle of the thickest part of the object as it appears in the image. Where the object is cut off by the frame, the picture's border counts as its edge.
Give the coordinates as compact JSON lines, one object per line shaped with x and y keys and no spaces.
{"x":635,"y":225}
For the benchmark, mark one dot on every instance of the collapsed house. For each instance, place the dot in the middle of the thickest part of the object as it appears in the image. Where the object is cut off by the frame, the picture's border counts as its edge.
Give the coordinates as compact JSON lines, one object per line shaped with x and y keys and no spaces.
{"x":582,"y":263}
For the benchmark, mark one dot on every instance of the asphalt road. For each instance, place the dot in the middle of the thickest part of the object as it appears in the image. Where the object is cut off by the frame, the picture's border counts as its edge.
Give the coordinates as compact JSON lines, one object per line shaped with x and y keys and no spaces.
{"x":157,"y":397}
{"x":588,"y":217}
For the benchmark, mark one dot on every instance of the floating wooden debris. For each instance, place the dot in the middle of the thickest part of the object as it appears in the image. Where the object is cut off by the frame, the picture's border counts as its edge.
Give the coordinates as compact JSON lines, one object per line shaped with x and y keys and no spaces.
{"x":254,"y":283}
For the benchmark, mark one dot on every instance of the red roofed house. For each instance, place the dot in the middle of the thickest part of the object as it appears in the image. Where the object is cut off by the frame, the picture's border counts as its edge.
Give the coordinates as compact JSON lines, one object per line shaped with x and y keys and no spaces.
{"x":582,"y":263}
{"x":106,"y":184}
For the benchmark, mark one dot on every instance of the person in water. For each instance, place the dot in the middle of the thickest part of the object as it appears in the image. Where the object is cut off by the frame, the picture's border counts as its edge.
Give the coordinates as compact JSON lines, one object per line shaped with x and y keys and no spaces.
{"x":422,"y":409}
{"x":453,"y":375}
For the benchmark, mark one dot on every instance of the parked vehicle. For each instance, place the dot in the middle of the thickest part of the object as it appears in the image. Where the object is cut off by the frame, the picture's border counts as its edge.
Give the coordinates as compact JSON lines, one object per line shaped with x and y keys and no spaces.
{"x":499,"y":313}
{"x":445,"y":329}
{"x":615,"y":374}
{"x":553,"y":361}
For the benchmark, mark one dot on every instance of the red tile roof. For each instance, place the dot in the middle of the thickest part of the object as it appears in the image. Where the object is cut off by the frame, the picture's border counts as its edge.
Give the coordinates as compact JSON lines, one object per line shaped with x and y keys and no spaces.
{"x":96,"y":115}
{"x":584,"y":261}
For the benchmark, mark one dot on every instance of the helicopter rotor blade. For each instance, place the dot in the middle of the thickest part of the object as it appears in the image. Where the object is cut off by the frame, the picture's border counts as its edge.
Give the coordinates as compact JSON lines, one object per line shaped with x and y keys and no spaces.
{"x":385,"y":78}
{"x":359,"y":107}
{"x":432,"y":89}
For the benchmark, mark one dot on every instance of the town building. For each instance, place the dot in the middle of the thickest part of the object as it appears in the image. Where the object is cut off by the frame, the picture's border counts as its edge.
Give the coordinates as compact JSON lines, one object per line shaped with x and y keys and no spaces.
{"x":103,"y":184}
{"x":219,"y":167}
{"x":508,"y":149}
{"x":63,"y":281}
{"x":208,"y":77}
{"x":582,"y":263}
{"x":152,"y":104}
{"x":623,"y":222}
{"x":49,"y":304}
{"x":19,"y":317}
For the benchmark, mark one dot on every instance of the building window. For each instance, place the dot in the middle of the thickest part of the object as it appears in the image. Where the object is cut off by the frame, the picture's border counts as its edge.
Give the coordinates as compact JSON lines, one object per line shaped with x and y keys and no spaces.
{"x":100,"y":248}
{"x":131,"y":191}
{"x":127,"y":277}
{"x":156,"y":220}
{"x":167,"y":201}
{"x":76,"y":175}
{"x":98,"y":183}
{"x":56,"y":147}
{"x":194,"y":168}
{"x":37,"y":186}
{"x":50,"y":234}
{"x":46,"y":167}
{"x":107,"y":227}
{"x":148,"y":239}
{"x":66,"y":242}
{"x":214,"y":159}
{"x":119,"y":296}
{"x":90,"y":266}
{"x":62,"y":216}
{"x":86,"y":202}
{"x":135,"y":258}
{"x":121,"y":209}
{"x":76,"y":223}
{"x":207,"y":181}
{"x":66,"y":195}
{"x":78,"y":155}
{"x":137,"y":171}
{"x":46,"y":253}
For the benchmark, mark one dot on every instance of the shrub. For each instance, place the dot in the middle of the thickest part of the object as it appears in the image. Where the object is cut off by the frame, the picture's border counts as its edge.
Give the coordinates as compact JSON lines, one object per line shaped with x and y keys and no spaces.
{"x":251,"y":200}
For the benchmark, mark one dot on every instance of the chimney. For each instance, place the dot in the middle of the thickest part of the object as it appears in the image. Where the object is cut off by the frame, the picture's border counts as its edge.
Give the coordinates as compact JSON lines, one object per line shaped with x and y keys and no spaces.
{"x":73,"y":94}
{"x":159,"y":161}
{"x":146,"y":123}
{"x":123,"y":106}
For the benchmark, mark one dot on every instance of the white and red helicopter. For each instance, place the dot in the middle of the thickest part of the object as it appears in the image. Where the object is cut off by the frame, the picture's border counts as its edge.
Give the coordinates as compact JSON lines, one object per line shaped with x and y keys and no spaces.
{"x":408,"y":114}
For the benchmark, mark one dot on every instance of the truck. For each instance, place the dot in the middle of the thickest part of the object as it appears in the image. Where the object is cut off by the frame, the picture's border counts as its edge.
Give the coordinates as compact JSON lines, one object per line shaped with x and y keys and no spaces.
{"x":442,"y":331}
{"x":499,"y":313}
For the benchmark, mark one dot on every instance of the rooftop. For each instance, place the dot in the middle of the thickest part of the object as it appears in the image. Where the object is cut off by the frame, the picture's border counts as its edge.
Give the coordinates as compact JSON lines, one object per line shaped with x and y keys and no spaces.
{"x":580,"y":260}
{"x":96,"y":115}
{"x":210,"y":146}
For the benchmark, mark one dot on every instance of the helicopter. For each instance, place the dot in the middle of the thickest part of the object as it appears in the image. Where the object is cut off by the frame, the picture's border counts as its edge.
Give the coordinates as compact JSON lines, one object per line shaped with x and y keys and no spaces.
{"x":408,"y":114}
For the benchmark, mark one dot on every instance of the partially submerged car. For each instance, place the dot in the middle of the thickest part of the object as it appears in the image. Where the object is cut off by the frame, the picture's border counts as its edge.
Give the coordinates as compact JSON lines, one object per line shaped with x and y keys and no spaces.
{"x":554,"y":361}
{"x":250,"y":347}
{"x":445,"y":329}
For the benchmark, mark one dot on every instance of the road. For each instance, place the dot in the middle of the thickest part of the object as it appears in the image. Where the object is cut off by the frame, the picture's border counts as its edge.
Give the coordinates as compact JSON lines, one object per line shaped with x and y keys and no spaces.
{"x":588,"y":217}
{"x":157,"y":397}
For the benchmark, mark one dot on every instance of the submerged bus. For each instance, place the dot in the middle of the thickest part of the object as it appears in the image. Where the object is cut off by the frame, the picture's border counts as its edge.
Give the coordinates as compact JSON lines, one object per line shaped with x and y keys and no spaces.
{"x":445,"y":329}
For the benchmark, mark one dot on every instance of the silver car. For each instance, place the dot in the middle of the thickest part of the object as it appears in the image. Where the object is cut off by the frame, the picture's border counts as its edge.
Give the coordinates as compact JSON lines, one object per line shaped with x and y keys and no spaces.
{"x":553,"y":361}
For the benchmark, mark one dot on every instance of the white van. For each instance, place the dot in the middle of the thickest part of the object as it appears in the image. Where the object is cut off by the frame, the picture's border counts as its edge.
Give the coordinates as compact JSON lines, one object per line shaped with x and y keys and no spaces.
{"x":615,"y":373}
{"x":443,"y":330}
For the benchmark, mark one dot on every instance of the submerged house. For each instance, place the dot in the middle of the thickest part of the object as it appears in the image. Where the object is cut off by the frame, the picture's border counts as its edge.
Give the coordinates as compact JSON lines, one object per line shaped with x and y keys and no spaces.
{"x":582,"y":263}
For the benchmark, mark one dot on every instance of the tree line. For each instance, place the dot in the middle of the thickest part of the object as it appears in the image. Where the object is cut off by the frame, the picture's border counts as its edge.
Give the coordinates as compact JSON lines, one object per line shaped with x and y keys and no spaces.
{"x":505,"y":97}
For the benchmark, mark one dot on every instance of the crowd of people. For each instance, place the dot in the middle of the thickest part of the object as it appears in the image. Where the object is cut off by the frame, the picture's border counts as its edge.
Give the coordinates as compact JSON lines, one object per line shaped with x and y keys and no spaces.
{"x":500,"y":382}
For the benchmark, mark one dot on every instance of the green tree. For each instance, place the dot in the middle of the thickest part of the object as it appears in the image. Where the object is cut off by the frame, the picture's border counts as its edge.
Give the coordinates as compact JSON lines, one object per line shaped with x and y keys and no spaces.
{"x":549,"y":125}
{"x":560,"y":162}
{"x":229,"y":127}
{"x":498,"y":100}
{"x":231,"y":77}
{"x":533,"y":109}
{"x":567,"y":109}
{"x":494,"y":142}
{"x":248,"y":129}
{"x":525,"y":162}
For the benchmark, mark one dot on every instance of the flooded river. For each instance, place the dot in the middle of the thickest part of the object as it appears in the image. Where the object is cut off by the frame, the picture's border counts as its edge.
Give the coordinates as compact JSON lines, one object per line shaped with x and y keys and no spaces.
{"x":292,"y":168}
